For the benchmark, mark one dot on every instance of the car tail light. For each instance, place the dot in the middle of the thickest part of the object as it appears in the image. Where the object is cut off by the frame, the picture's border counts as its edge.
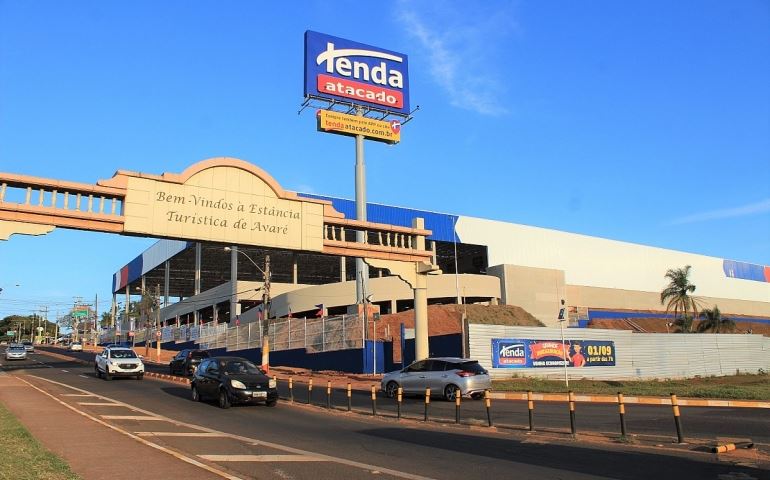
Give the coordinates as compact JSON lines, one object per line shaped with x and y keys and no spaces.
{"x":465,"y":373}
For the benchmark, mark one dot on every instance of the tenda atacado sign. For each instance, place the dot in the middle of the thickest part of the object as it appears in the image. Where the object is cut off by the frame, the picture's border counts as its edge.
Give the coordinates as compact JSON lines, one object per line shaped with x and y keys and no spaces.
{"x":353,"y":72}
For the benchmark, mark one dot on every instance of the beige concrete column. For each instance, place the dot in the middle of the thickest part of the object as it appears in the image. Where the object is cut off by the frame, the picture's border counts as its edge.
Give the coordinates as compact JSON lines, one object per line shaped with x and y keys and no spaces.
{"x":393,"y":306}
{"x":421,"y":350}
{"x":294,"y":270}
{"x":343,"y":269}
{"x":420,"y":287}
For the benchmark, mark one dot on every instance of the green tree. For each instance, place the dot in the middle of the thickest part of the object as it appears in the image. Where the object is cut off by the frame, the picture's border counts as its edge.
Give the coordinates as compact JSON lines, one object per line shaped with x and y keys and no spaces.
{"x":714,"y":322}
{"x":677,"y":297}
{"x":106,"y":320}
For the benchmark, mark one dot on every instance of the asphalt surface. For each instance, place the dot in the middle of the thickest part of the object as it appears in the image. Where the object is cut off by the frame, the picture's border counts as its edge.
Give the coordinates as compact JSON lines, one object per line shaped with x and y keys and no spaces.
{"x":296,"y":441}
{"x":712,"y":423}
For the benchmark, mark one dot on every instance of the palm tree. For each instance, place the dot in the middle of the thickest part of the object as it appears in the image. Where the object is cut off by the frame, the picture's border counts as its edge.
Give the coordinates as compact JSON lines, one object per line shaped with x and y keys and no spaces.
{"x":713,"y":321}
{"x":676,"y":296}
{"x":684,"y":324}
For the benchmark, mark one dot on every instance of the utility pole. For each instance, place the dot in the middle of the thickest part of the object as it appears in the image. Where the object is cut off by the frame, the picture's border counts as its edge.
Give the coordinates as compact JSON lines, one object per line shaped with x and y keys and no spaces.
{"x":45,"y":320}
{"x":265,"y":316}
{"x":156,"y":302}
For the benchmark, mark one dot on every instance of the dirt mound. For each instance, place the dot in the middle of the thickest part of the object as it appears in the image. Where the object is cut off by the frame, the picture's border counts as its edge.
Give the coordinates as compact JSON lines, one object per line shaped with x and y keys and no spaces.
{"x":445,"y":320}
{"x":658,"y":325}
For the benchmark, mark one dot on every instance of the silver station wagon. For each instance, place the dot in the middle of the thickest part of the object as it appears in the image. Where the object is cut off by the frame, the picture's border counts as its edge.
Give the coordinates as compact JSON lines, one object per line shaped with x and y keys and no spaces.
{"x":443,"y":375}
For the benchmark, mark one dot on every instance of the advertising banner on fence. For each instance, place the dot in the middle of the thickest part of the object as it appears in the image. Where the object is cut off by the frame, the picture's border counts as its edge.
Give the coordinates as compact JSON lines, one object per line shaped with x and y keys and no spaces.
{"x":357,"y":73}
{"x":351,"y":125}
{"x":528,"y":353}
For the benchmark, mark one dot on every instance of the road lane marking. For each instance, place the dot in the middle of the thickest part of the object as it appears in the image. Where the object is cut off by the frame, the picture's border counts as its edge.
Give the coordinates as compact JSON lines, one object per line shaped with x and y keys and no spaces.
{"x":66,"y":371}
{"x":100,"y":404}
{"x":83,"y":376}
{"x":132,"y":417}
{"x":262,"y":458}
{"x":179,"y":434}
{"x":174,"y":454}
{"x":77,"y":395}
{"x":276,"y":446}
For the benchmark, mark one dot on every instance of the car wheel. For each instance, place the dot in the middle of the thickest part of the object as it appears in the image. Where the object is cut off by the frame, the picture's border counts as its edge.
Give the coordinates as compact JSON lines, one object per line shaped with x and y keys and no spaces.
{"x":196,"y":396}
{"x":170,"y":370}
{"x":107,"y":375}
{"x":224,"y":400}
{"x":140,"y":376}
{"x":97,"y":371}
{"x":450,"y":393}
{"x":477,"y":396}
{"x":391,"y":389}
{"x":271,"y":403}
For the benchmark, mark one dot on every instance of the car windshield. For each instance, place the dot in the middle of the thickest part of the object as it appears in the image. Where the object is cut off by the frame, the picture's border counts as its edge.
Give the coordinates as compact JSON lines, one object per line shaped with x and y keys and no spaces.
{"x":16,"y":347}
{"x":123,"y":354}
{"x":239,"y":367}
{"x":199,"y":355}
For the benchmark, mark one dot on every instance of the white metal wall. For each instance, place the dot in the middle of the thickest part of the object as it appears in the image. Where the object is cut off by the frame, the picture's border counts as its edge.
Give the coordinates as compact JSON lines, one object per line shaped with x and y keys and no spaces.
{"x":637,"y":355}
{"x":599,"y":262}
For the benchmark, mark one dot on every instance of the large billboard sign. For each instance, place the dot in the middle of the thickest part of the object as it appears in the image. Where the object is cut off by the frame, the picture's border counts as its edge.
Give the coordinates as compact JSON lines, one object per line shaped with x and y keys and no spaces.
{"x":352,"y":125}
{"x":528,"y":353}
{"x":353,"y":72}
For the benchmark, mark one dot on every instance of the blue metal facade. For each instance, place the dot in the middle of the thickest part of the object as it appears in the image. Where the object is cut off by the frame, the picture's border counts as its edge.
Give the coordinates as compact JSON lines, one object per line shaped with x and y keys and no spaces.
{"x":441,"y":224}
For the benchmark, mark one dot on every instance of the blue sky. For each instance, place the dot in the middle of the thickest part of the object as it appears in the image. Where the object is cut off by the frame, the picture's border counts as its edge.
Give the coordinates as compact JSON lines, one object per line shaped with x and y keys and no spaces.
{"x":646,"y":122}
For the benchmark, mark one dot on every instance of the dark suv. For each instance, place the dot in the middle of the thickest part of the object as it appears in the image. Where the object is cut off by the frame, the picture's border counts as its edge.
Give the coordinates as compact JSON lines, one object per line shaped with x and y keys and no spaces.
{"x":187,"y":361}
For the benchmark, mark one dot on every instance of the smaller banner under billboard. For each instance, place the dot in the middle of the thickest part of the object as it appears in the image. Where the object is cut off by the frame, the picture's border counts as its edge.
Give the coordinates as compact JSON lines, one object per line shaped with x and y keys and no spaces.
{"x":528,"y":353}
{"x":352,"y":125}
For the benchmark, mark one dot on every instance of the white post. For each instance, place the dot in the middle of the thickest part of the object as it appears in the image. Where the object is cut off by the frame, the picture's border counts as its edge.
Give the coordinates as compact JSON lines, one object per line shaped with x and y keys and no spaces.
{"x":323,"y":333}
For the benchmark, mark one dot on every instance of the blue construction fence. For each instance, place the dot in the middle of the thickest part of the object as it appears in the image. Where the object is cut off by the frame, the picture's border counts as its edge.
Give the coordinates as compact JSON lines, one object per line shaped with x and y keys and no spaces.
{"x":354,"y":360}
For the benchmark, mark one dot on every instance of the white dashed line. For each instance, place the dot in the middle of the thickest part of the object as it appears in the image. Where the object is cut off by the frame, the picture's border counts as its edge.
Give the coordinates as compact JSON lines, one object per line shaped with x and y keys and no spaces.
{"x":66,"y":371}
{"x":77,"y":395}
{"x":132,"y":417}
{"x":180,"y":434}
{"x":262,"y":458}
{"x":100,"y":404}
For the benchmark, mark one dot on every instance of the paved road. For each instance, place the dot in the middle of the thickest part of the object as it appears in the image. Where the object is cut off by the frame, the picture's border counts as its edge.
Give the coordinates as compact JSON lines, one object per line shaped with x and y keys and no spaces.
{"x":698,"y":422}
{"x":310,"y":443}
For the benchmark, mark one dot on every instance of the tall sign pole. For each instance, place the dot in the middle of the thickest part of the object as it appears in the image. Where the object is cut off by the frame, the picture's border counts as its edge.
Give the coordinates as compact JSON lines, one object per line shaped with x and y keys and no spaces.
{"x":362,"y":269}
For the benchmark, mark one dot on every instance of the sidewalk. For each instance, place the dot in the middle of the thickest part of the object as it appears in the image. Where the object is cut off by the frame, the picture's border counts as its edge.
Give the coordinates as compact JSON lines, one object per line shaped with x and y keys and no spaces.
{"x":93,"y":451}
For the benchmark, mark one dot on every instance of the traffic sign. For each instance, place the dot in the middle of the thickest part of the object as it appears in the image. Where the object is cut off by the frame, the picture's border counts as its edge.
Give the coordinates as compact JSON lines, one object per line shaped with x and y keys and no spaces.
{"x":79,"y":314}
{"x":10,"y":333}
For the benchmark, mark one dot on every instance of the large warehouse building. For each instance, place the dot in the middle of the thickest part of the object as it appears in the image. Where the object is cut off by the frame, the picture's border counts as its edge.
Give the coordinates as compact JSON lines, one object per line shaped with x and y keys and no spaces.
{"x":482,"y":261}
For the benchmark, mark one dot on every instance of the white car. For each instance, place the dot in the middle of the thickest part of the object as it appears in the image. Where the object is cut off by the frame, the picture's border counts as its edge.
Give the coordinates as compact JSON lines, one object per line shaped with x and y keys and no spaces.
{"x":76,"y":347}
{"x":119,"y":362}
{"x":15,"y":351}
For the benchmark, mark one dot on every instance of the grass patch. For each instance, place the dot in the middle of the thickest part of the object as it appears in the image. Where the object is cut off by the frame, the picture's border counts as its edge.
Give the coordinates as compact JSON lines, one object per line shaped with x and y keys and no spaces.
{"x":24,"y":458}
{"x":734,"y":387}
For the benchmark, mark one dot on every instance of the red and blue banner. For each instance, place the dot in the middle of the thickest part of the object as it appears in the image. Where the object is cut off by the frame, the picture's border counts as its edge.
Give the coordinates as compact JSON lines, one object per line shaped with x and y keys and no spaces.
{"x":352,"y":72}
{"x":528,"y":353}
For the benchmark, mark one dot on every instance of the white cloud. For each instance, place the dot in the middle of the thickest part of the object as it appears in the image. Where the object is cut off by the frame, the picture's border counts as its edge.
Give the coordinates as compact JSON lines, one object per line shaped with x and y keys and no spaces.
{"x":459,"y":55}
{"x":742,"y":211}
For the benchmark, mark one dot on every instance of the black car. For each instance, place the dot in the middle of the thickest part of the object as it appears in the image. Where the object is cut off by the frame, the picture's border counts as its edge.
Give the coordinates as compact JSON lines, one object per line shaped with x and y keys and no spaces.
{"x":232,"y":380}
{"x":186,"y":361}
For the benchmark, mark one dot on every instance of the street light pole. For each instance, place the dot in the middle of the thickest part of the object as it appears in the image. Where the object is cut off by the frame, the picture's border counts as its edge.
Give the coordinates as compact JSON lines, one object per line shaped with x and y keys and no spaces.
{"x":265,"y":306}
